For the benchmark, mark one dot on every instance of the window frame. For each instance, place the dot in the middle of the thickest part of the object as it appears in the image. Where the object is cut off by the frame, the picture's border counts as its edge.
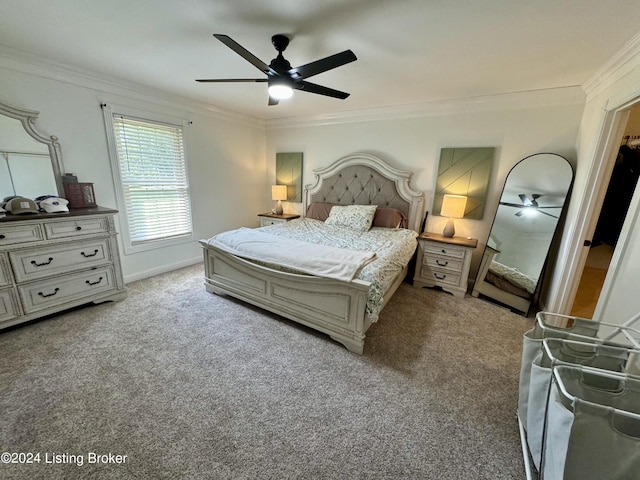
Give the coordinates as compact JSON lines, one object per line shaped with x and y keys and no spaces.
{"x":109,"y":111}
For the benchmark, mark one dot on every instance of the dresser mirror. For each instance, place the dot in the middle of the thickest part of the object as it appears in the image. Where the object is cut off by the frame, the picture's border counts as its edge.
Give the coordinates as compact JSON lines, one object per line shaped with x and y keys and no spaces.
{"x":532,"y":201}
{"x":30,"y":162}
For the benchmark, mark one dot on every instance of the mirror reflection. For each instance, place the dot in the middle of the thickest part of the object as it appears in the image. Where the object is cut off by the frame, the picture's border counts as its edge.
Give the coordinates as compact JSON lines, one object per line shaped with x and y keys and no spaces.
{"x":531,"y":203}
{"x":30,"y":164}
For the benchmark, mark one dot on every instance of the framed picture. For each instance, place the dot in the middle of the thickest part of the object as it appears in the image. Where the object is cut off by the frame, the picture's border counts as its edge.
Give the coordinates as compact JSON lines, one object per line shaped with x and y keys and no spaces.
{"x":464,"y":171}
{"x":289,"y":173}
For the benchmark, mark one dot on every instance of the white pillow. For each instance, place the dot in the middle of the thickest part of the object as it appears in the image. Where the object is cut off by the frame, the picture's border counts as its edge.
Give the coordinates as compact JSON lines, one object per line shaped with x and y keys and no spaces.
{"x":358,"y":217}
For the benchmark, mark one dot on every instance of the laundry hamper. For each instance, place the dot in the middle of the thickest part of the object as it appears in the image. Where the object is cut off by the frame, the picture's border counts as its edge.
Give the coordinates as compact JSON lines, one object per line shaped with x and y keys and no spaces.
{"x":592,"y":430}
{"x":556,"y":352}
{"x":555,"y":325}
{"x":558,"y":326}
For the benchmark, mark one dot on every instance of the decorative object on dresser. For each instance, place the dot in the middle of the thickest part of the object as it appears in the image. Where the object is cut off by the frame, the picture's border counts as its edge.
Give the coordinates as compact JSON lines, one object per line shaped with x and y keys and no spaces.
{"x":515,"y":257}
{"x":79,"y":194}
{"x":53,"y":259}
{"x":444,"y":262}
{"x":267,"y":219}
{"x":279,"y":193}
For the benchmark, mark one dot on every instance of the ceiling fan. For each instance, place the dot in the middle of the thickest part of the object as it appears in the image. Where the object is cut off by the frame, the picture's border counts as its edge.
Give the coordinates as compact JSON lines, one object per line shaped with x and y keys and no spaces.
{"x":281,"y":77}
{"x":529,"y":204}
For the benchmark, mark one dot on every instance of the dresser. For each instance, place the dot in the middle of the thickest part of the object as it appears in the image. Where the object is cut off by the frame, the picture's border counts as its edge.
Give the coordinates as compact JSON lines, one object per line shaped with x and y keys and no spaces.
{"x":52,"y":262}
{"x":267,"y":219}
{"x":444,"y":262}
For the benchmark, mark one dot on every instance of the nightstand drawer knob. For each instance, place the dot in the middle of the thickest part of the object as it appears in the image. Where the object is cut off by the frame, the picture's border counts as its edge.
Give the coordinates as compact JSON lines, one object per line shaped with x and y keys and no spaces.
{"x":442,"y":264}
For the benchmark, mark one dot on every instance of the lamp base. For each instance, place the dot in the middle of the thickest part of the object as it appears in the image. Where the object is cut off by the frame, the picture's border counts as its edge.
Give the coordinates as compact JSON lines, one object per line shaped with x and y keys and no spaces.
{"x":279,"y":208}
{"x":449,"y":230}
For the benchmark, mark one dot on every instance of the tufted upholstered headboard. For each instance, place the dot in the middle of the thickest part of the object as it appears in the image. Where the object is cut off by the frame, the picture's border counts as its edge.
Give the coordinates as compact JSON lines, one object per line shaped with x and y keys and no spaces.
{"x":363,"y":179}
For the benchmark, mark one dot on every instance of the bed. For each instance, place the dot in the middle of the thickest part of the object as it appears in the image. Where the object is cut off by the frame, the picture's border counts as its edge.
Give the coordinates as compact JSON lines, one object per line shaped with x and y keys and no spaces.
{"x":344,"y":307}
{"x":504,"y":284}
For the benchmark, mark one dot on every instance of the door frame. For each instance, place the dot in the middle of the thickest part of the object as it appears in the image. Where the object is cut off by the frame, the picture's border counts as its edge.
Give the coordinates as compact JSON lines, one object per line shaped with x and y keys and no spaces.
{"x":612,"y":129}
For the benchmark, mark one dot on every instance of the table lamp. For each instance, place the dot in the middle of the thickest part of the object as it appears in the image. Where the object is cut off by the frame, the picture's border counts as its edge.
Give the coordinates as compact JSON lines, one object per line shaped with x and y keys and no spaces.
{"x":279,"y":193}
{"x":453,"y":206}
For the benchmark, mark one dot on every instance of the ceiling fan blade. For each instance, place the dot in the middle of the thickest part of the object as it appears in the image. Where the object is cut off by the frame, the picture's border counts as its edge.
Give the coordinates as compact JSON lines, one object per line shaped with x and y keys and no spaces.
{"x":517,"y":205}
{"x":547,"y":214}
{"x":525,"y":200}
{"x":220,"y":80}
{"x":551,"y":206}
{"x":319,"y":89}
{"x":244,"y":53}
{"x":323,"y":65}
{"x":273,"y":101}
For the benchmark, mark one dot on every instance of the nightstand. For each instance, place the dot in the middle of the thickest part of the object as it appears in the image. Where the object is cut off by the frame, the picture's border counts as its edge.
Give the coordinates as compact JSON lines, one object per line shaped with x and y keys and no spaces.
{"x":444,"y":262}
{"x":267,"y":219}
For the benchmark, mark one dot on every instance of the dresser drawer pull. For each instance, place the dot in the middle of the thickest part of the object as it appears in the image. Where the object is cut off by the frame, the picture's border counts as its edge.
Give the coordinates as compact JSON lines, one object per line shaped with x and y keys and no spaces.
{"x":78,"y":228}
{"x":50,"y":294}
{"x":87,"y":255}
{"x":439,"y":277}
{"x":442,"y":264}
{"x":2,"y":237}
{"x":94,"y":283}
{"x":36,"y":264}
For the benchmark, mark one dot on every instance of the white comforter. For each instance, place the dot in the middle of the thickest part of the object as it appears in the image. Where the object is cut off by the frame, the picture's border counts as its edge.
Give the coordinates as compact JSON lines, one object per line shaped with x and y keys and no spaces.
{"x":393,"y":247}
{"x":320,"y":260}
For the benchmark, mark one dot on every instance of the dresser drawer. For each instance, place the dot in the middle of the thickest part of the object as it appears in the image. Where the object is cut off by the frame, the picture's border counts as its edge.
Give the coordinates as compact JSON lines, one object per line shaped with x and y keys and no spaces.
{"x":5,"y":273}
{"x":440,"y":277}
{"x":77,"y":227}
{"x":443,"y":262}
{"x":33,"y":263}
{"x":438,"y":249}
{"x":8,"y":305}
{"x":12,"y":234}
{"x":68,"y":288}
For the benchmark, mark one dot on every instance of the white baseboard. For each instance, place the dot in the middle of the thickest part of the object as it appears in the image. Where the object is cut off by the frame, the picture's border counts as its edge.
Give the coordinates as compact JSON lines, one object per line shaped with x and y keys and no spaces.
{"x":162,"y":269}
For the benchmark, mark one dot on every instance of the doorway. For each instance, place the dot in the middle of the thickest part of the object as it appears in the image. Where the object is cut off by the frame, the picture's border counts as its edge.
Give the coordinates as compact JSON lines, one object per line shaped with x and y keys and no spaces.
{"x":614,"y":208}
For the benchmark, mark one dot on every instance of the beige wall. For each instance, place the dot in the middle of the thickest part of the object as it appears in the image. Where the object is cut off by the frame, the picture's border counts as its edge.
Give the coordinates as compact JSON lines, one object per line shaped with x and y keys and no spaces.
{"x":517,"y":125}
{"x":225,"y":153}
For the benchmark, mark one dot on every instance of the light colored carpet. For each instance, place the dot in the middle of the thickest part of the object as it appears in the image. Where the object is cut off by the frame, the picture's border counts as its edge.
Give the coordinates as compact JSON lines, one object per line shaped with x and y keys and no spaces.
{"x":188,"y":384}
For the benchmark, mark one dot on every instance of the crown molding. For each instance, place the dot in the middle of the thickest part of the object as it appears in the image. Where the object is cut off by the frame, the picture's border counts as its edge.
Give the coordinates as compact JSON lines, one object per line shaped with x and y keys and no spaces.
{"x":570,"y":95}
{"x":615,"y":68}
{"x":28,"y":63}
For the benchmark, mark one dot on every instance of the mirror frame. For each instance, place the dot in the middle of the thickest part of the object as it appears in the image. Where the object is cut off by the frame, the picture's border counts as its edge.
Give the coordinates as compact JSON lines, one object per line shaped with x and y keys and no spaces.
{"x":28,"y":119}
{"x":512,"y":301}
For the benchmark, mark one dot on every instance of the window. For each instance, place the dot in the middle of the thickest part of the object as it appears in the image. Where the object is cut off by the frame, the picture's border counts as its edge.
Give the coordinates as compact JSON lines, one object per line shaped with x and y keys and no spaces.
{"x":154,"y":191}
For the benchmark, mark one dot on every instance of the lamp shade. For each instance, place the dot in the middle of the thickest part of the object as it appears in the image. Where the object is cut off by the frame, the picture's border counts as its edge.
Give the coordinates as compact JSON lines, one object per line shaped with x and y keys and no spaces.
{"x":278,"y":192}
{"x":453,"y":206}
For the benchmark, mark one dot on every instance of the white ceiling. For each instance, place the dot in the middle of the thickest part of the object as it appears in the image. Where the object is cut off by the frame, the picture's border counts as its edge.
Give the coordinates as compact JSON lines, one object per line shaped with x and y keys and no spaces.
{"x":409,"y":51}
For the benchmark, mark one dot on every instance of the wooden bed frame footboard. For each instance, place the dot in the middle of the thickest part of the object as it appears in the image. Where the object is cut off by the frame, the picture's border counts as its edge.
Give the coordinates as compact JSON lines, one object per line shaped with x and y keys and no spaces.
{"x":331,"y":306}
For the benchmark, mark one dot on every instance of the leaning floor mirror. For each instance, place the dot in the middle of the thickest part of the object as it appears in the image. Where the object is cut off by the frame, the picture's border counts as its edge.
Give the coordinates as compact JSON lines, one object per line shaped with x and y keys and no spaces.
{"x":532,"y":201}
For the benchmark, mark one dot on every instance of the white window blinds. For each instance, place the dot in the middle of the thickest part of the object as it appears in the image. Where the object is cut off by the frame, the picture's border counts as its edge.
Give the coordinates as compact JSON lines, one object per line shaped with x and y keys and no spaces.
{"x":153,"y":176}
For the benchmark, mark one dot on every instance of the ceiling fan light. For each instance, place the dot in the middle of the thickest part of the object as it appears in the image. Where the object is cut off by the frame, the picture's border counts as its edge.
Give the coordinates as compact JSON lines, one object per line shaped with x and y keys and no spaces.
{"x":280,"y":91}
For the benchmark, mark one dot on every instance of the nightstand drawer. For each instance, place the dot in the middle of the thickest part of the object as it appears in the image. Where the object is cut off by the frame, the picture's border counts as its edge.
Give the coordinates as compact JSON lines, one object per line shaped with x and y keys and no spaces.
{"x":266,"y":221}
{"x":440,"y":276}
{"x":442,"y":262}
{"x":435,"y":248}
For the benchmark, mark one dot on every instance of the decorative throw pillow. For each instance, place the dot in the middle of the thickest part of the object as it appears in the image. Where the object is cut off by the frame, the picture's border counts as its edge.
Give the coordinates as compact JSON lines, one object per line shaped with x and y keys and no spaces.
{"x":389,"y":218}
{"x":358,"y":217}
{"x":319,"y":210}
